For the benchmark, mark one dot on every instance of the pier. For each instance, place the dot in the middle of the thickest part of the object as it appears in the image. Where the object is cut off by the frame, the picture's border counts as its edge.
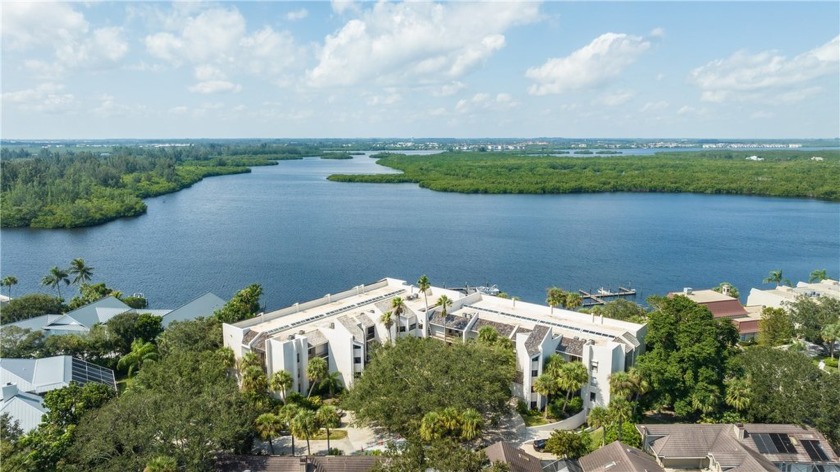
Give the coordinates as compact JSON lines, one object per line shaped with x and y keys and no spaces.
{"x":592,"y":299}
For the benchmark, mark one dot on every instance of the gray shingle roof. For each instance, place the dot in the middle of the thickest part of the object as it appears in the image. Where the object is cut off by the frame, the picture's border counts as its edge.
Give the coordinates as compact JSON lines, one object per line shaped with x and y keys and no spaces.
{"x":617,"y":456}
{"x":503,"y":329}
{"x":352,"y":327}
{"x":532,"y":344}
{"x":315,"y":338}
{"x":295,"y":464}
{"x":569,"y":345}
{"x":517,"y":459}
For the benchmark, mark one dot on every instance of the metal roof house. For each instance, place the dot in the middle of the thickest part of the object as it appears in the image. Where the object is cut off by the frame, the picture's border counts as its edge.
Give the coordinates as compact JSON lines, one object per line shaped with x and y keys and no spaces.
{"x":23,"y":380}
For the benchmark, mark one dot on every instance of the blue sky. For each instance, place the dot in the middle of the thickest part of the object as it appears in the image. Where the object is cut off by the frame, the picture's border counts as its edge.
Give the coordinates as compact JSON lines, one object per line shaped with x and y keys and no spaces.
{"x":420,"y":69}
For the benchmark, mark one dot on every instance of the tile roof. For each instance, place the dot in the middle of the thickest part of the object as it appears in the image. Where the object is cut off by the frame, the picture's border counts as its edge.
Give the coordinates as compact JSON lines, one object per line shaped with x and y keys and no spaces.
{"x":517,"y":459}
{"x":503,"y":329}
{"x":619,"y":457}
{"x":452,"y":321}
{"x":296,"y":464}
{"x":535,"y":339}
{"x":352,"y":327}
{"x":573,"y":346}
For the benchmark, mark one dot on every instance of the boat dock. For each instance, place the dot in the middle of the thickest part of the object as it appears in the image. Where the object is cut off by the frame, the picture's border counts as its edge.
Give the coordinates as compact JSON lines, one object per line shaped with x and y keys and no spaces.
{"x":592,"y":299}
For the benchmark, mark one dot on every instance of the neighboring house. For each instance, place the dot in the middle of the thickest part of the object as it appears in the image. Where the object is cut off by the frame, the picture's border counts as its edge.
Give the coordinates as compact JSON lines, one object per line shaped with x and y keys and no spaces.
{"x":781,"y":296}
{"x":724,"y":306}
{"x":619,"y":457}
{"x":296,"y":464}
{"x":23,"y":380}
{"x":739,"y":447}
{"x":517,"y":459}
{"x":342,"y":327}
{"x":204,"y":305}
{"x":81,"y":320}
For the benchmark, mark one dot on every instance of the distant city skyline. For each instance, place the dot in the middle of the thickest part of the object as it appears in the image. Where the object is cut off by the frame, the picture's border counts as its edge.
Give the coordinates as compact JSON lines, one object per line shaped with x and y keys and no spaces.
{"x":342,"y":69}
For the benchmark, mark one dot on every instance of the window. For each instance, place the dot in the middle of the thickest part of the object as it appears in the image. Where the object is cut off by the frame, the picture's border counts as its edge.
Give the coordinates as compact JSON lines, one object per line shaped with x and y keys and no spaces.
{"x":533,"y":405}
{"x":370,"y":332}
{"x":412,"y":327}
{"x":533,"y":373}
{"x":357,"y":360}
{"x":298,"y":357}
{"x":592,"y":397}
{"x":594,"y":367}
{"x":402,"y":329}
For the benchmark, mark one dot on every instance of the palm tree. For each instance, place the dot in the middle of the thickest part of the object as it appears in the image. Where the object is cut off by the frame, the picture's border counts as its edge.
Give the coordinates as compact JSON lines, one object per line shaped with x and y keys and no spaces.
{"x":471,"y":424}
{"x":555,"y":297}
{"x":546,"y":385}
{"x":443,"y":302}
{"x":315,"y":372}
{"x":705,"y":398}
{"x":304,"y":424}
{"x":450,"y":419}
{"x":738,"y":394}
{"x":553,"y":365}
{"x":620,"y":411}
{"x":572,"y":378}
{"x":830,"y":334}
{"x":281,"y":381}
{"x":82,"y":273}
{"x":140,"y":354}
{"x":8,"y":281}
{"x":776,"y":277}
{"x":331,"y":383}
{"x":641,"y":385}
{"x":621,"y":384}
{"x":398,"y":306}
{"x":268,"y":426}
{"x":253,"y":379}
{"x":573,"y":300}
{"x":162,"y":464}
{"x":598,"y":416}
{"x":54,"y":279}
{"x":327,"y":417}
{"x":387,"y":319}
{"x":818,"y":275}
{"x":431,"y":426}
{"x":424,"y":285}
{"x":488,"y":335}
{"x":287,"y":415}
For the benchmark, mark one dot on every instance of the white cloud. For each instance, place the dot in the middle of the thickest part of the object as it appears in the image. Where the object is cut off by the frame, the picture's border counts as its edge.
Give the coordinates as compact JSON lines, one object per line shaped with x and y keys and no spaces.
{"x":746,"y":77}
{"x":594,"y":64}
{"x":484,"y":101}
{"x":297,"y":15}
{"x":104,"y":46}
{"x":215,"y":86}
{"x":616,"y":98}
{"x":389,"y":98}
{"x":417,"y":42}
{"x":686,"y":110}
{"x":109,"y":107}
{"x":46,"y":97}
{"x":654,"y":106}
{"x":449,"y":89}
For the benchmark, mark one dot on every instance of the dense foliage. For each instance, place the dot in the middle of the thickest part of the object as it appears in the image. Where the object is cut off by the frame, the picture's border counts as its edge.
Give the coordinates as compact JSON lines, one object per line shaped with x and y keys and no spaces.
{"x":67,"y":190}
{"x":781,"y":173}
{"x":414,"y":377}
{"x":30,"y":306}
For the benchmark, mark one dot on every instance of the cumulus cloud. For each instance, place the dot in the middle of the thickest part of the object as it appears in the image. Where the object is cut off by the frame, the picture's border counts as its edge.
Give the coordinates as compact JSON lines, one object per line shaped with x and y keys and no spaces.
{"x":616,"y":98}
{"x":745,"y":77}
{"x":419,"y":42}
{"x":46,"y":97}
{"x":297,"y":15}
{"x":219,"y":37}
{"x":592,"y":65}
{"x":484,"y":101}
{"x":654,"y":106}
{"x":215,"y":86}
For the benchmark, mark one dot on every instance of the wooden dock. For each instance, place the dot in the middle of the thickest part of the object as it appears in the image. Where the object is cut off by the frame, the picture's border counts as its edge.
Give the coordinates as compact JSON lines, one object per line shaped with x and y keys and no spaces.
{"x":591,"y":299}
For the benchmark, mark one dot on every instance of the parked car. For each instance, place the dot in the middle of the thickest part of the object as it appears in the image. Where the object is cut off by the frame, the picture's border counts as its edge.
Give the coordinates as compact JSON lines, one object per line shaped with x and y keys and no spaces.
{"x":539,"y":445}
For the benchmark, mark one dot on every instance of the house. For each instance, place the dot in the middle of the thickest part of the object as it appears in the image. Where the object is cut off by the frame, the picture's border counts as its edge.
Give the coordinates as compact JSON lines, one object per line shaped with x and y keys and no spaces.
{"x":80,"y":320}
{"x":739,"y":447}
{"x":516,"y":459}
{"x":781,"y":296}
{"x":296,"y":464}
{"x":202,"y":306}
{"x":24,"y":380}
{"x":617,"y":456}
{"x":342,"y":328}
{"x":722,"y":305}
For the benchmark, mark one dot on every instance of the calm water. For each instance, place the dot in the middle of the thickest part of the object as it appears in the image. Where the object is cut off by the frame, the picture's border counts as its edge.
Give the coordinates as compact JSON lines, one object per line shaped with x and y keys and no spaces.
{"x":301,"y":237}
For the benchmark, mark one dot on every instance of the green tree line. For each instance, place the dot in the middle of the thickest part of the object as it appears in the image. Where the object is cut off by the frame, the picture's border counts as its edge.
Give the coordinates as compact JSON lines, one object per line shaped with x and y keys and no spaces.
{"x":780,"y":174}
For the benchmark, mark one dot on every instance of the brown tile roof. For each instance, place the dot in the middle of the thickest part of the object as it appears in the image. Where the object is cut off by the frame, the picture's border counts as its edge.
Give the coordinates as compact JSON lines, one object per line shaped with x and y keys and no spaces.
{"x":726,"y":309}
{"x":517,"y":459}
{"x":296,"y":464}
{"x":619,"y":457}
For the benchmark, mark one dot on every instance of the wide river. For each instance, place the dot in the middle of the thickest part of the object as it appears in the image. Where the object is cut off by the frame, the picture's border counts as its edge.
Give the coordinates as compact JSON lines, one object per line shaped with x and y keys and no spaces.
{"x":301,"y":237}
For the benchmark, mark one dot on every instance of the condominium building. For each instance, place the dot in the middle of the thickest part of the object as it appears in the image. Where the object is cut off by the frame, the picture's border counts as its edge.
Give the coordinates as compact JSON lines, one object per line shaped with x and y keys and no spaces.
{"x":342,"y":328}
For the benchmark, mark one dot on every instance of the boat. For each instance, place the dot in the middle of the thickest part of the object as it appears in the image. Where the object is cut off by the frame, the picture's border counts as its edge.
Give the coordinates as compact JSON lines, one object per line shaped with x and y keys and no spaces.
{"x":604,"y":291}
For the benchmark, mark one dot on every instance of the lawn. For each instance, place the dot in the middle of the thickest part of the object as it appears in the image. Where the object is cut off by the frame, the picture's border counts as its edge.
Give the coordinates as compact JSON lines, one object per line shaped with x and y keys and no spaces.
{"x":322,"y":435}
{"x":534,"y":418}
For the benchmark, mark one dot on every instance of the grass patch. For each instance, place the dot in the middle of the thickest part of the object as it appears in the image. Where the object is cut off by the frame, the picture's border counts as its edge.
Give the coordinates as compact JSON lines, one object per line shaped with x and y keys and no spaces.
{"x":534,"y":418}
{"x":322,"y":435}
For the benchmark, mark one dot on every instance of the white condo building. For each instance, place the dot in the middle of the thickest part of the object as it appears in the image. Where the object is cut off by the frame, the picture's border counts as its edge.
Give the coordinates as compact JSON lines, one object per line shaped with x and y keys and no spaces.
{"x":341,"y":327}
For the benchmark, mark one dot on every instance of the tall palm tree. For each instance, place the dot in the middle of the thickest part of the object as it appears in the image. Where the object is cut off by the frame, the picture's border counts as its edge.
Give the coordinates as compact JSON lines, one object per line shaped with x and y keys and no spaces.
{"x":488,"y":335}
{"x":553,"y":365}
{"x":331,"y":383}
{"x":621,"y":384}
{"x":830,"y":334}
{"x":315,"y":372}
{"x":705,"y":398}
{"x":443,"y":302}
{"x":555,"y":296}
{"x":424,"y":285}
{"x":387,"y":319}
{"x":55,"y":278}
{"x":253,"y":380}
{"x":304,"y":424}
{"x":818,"y":275}
{"x":287,"y":414}
{"x":572,"y":378}
{"x":327,"y":417}
{"x":8,"y":281}
{"x":546,"y":385}
{"x":573,"y":300}
{"x":776,"y":277}
{"x":471,"y":424}
{"x":81,"y":272}
{"x":620,"y":410}
{"x":140,"y":354}
{"x":281,"y":381}
{"x":598,"y":416}
{"x":268,"y":426}
{"x":398,"y":307}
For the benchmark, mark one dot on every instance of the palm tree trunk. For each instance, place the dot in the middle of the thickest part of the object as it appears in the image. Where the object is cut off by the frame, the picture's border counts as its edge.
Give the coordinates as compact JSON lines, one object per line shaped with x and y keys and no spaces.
{"x":328,"y":440}
{"x":568,"y":397}
{"x":271,"y":445}
{"x":293,"y":443}
{"x":308,"y":451}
